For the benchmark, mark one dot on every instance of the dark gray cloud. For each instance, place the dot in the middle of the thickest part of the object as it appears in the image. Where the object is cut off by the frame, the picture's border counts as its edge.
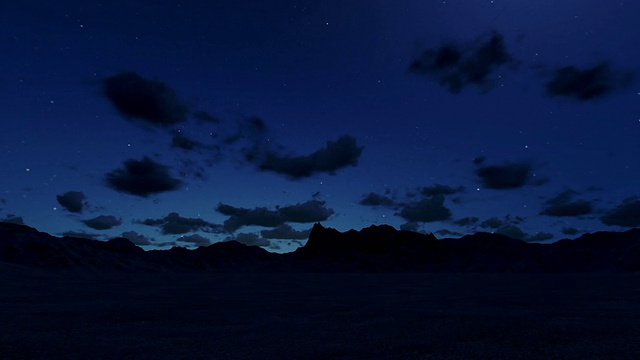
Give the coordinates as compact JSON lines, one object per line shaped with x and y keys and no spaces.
{"x":73,"y":201}
{"x":570,"y":231}
{"x":447,"y":232}
{"x":187,"y":167}
{"x":82,"y":235}
{"x":249,"y":239}
{"x":239,"y":217}
{"x":175,"y":224}
{"x":495,"y":222}
{"x":410,"y":226}
{"x":285,"y":231}
{"x":456,"y":66}
{"x":142,"y":178}
{"x":251,"y":135}
{"x":586,"y":84}
{"x":335,"y":156}
{"x":373,"y":199}
{"x":563,"y":205}
{"x":479,"y":160}
{"x":250,"y":138}
{"x":137,"y":239}
{"x":626,"y":214}
{"x":426,"y":210}
{"x":149,"y":100}
{"x":13,"y":219}
{"x":508,"y":226}
{"x":426,"y":204}
{"x":511,"y":231}
{"x":439,"y":189}
{"x":195,"y":239}
{"x":307,"y":212}
{"x":103,"y":222}
{"x":205,"y":117}
{"x":540,"y":236}
{"x":180,"y":141}
{"x":492,"y":223}
{"x":515,"y":232}
{"x":506,"y":176}
{"x":466,"y":221}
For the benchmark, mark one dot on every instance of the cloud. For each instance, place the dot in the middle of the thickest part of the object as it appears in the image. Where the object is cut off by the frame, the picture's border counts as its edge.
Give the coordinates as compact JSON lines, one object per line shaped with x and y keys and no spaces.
{"x":410,"y":226}
{"x":103,"y":222}
{"x":249,"y":239}
{"x":182,"y":142}
{"x":253,"y":141}
{"x":239,"y":217}
{"x":506,"y":176}
{"x":466,"y":221}
{"x":439,"y":189}
{"x":142,"y":178}
{"x":285,"y":231}
{"x":511,"y":231}
{"x":492,"y":223}
{"x":586,"y":84}
{"x":13,"y":219}
{"x":373,"y":199}
{"x":151,"y":101}
{"x":562,"y":205}
{"x":307,"y":212}
{"x":570,"y":231}
{"x":136,"y":239}
{"x":515,"y":232}
{"x":176,"y":224}
{"x":479,"y":160}
{"x":82,"y":235}
{"x":508,"y":226}
{"x":336,"y":155}
{"x":73,"y":201}
{"x":205,"y":117}
{"x":626,"y":214}
{"x":457,"y":66}
{"x":195,"y":239}
{"x":429,"y":208}
{"x":495,"y":222}
{"x":190,"y":168}
{"x":252,"y":135}
{"x":426,"y":210}
{"x":446,"y":232}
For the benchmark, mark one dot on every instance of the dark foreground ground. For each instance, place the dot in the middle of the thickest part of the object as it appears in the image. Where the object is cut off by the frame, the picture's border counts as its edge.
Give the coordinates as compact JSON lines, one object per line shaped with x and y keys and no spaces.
{"x":319,"y":316}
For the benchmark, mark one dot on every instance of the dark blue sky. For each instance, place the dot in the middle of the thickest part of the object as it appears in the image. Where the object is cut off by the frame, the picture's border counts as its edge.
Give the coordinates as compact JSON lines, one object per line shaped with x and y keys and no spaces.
{"x":185,"y":123}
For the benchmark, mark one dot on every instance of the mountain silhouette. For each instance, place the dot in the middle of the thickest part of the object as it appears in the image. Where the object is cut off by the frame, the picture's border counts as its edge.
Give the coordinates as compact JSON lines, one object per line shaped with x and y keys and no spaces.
{"x":373,"y":249}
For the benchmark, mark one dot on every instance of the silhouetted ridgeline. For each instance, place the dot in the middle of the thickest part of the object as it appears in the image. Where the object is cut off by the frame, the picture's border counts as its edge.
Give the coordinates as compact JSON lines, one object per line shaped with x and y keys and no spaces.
{"x":374,"y":249}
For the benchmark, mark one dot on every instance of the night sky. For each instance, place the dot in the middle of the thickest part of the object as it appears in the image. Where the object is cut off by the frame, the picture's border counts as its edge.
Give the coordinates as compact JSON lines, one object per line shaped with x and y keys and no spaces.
{"x":183,"y":123}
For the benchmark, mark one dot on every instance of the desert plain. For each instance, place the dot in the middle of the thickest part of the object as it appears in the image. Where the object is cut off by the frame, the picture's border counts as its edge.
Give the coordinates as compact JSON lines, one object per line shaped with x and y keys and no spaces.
{"x":166,"y":315}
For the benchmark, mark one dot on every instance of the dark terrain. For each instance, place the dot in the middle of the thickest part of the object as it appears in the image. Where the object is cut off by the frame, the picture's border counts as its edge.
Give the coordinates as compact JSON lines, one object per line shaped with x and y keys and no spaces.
{"x":373,"y":294}
{"x":373,"y":249}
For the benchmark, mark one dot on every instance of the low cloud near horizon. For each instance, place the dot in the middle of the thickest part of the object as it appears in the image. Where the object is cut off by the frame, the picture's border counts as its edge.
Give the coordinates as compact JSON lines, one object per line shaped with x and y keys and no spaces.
{"x":307,"y":212}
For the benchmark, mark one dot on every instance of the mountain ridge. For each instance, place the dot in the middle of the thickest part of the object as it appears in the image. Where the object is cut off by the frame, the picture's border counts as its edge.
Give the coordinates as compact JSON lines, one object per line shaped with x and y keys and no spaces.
{"x":378,"y":248}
